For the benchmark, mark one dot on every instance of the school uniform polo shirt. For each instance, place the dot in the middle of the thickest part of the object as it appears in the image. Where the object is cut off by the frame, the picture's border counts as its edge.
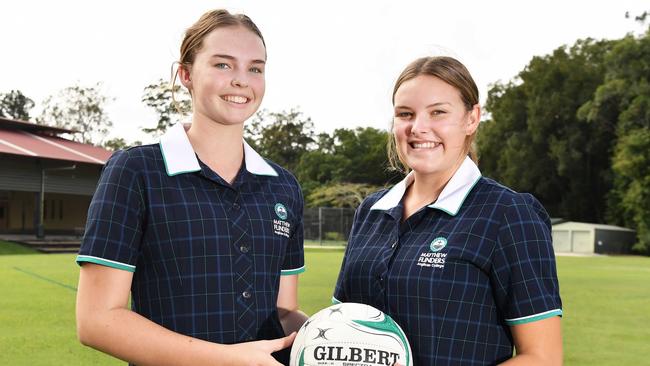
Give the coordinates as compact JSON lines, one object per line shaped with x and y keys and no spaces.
{"x":458,"y":273}
{"x":207,"y":255}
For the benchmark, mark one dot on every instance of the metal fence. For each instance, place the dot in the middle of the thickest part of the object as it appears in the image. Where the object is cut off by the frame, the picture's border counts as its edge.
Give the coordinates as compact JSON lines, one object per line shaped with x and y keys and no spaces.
{"x":328,"y":225}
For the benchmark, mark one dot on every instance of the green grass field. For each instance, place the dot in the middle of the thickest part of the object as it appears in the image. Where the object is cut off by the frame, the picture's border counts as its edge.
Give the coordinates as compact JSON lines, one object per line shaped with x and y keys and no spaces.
{"x":606,"y":306}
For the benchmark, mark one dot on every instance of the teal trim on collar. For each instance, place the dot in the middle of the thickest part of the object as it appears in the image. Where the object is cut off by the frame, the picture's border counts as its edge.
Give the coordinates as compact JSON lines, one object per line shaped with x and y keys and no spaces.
{"x":452,"y":196}
{"x":256,"y":164}
{"x":180,"y":158}
{"x":177,"y":152}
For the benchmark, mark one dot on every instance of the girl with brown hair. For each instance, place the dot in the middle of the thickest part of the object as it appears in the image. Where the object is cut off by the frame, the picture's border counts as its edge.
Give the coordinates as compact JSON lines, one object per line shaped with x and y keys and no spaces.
{"x":202,"y":232}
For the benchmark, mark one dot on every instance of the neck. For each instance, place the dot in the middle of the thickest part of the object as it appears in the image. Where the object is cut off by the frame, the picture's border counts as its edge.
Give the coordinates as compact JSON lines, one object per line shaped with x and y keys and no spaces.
{"x":219,"y":146}
{"x":426,"y":189}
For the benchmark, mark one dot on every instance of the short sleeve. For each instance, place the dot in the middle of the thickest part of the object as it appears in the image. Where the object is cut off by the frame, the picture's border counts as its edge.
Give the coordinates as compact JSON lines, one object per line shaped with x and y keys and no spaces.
{"x":114,"y":226}
{"x":294,"y":260}
{"x":523,"y":272}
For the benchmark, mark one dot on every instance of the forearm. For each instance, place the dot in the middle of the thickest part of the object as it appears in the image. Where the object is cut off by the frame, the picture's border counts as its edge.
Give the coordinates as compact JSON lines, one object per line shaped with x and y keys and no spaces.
{"x":292,"y":320}
{"x":537,"y":343}
{"x":131,"y":337}
{"x":534,"y":360}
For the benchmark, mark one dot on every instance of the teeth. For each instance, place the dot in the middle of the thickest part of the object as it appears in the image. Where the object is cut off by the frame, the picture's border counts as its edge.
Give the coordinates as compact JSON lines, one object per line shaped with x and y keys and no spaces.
{"x":235,"y":99}
{"x":425,"y":145}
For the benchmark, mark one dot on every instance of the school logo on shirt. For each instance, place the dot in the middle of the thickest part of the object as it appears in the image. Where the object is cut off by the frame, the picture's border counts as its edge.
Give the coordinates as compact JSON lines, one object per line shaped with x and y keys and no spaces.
{"x":434,"y":258}
{"x":281,"y":211}
{"x":281,"y":227}
{"x":438,"y":243}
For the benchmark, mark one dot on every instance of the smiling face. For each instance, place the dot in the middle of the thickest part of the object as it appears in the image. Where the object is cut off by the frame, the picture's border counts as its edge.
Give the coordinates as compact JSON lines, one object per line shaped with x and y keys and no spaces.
{"x":226,"y":79}
{"x":431,"y":125}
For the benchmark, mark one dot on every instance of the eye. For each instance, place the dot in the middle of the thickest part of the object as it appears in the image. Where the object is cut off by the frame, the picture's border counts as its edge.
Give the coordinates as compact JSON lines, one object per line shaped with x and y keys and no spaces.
{"x":256,"y":70}
{"x":403,"y":114}
{"x":222,"y":65}
{"x":437,"y":112}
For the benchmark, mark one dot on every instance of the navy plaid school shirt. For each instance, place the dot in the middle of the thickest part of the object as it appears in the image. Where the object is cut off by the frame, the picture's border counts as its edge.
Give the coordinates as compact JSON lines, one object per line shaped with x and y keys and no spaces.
{"x":456,"y":274}
{"x":206,"y":255}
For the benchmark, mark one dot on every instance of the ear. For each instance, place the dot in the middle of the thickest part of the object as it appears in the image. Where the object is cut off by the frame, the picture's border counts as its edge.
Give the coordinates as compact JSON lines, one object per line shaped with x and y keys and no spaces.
{"x":184,"y":74}
{"x":473,"y":120}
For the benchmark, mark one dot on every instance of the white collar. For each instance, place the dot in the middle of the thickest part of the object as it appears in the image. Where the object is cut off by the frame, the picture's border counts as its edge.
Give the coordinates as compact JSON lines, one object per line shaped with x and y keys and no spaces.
{"x":451,"y":197}
{"x":179,"y":156}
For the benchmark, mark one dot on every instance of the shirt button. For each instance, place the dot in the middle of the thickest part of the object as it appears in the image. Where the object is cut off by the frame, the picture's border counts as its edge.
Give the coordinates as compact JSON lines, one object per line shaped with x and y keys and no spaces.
{"x":235,"y":206}
{"x":246,"y":295}
{"x":244,"y":248}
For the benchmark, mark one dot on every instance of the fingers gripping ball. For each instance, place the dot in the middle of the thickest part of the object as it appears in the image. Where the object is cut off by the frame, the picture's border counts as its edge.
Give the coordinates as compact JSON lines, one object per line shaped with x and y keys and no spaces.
{"x":350,"y":334}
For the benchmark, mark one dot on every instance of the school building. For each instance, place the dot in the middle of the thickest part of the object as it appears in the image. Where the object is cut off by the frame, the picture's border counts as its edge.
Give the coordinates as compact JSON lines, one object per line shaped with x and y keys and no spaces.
{"x":46,"y":180}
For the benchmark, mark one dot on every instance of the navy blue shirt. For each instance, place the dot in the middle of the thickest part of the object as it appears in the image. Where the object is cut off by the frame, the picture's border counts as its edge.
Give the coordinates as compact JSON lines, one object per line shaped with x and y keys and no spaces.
{"x":456,"y":274}
{"x":207,"y":255}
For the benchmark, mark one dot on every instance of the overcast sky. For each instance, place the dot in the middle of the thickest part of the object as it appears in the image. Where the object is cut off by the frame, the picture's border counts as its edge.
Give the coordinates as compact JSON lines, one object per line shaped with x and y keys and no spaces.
{"x":335,"y":60}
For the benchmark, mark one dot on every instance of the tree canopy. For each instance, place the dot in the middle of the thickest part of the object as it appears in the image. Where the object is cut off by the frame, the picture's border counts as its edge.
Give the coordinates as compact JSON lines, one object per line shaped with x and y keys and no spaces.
{"x":81,"y":109}
{"x":15,"y":105}
{"x":572,"y":128}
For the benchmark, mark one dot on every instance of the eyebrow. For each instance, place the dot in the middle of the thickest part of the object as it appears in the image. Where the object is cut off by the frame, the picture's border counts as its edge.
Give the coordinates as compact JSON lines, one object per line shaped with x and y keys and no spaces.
{"x":429,"y":106}
{"x":228,"y":57}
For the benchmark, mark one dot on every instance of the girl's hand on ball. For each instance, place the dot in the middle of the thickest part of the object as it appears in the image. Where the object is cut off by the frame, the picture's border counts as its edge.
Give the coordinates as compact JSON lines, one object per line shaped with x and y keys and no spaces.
{"x":257,"y":353}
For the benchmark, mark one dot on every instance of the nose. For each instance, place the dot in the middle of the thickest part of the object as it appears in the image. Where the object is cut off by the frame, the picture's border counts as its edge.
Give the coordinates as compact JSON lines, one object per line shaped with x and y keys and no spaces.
{"x":238,"y":82}
{"x":420,"y":125}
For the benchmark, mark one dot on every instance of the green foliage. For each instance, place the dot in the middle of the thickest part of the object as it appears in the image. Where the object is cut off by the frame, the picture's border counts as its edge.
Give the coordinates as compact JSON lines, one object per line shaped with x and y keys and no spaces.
{"x":119,"y":143}
{"x":282,"y":137}
{"x":334,"y":236}
{"x":573,"y":129}
{"x":324,"y":164}
{"x":623,"y":100}
{"x":15,"y":105}
{"x":340,"y":195}
{"x":158,"y":96}
{"x":535,"y":140}
{"x":80,"y":109}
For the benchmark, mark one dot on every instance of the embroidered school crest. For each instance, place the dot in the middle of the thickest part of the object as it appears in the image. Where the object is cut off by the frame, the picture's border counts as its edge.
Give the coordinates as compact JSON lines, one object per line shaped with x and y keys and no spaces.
{"x":438,"y":243}
{"x":281,"y":211}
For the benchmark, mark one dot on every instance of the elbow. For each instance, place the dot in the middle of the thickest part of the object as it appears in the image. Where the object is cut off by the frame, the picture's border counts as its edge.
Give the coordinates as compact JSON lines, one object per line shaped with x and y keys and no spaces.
{"x":88,"y":332}
{"x":84,"y":332}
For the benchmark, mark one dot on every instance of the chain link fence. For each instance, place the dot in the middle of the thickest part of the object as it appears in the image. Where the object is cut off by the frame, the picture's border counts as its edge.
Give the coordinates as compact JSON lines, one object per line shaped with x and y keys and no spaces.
{"x":328,"y":225}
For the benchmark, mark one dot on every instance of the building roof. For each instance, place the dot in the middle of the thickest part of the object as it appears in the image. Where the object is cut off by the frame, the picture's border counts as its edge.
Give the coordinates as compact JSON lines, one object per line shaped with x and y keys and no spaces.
{"x":32,"y":127}
{"x":588,"y":226}
{"x":28,"y":139}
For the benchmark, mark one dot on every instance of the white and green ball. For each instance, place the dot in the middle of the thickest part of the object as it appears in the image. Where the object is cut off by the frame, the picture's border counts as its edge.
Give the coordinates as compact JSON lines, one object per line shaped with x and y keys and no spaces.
{"x":350,"y":334}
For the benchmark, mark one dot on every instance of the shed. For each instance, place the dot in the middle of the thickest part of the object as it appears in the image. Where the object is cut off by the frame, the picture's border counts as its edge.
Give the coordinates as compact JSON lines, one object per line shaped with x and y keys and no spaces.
{"x":583,"y":237}
{"x":46,"y":180}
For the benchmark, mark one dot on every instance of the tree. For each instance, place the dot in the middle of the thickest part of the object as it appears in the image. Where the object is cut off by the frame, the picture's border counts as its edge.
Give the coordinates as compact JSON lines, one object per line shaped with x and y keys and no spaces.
{"x":340,"y":195}
{"x":80,"y":109}
{"x":536,"y":141}
{"x":282,"y":137}
{"x":364,"y":154}
{"x":158,"y":96}
{"x":119,"y":143}
{"x":623,"y":101}
{"x":15,"y":105}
